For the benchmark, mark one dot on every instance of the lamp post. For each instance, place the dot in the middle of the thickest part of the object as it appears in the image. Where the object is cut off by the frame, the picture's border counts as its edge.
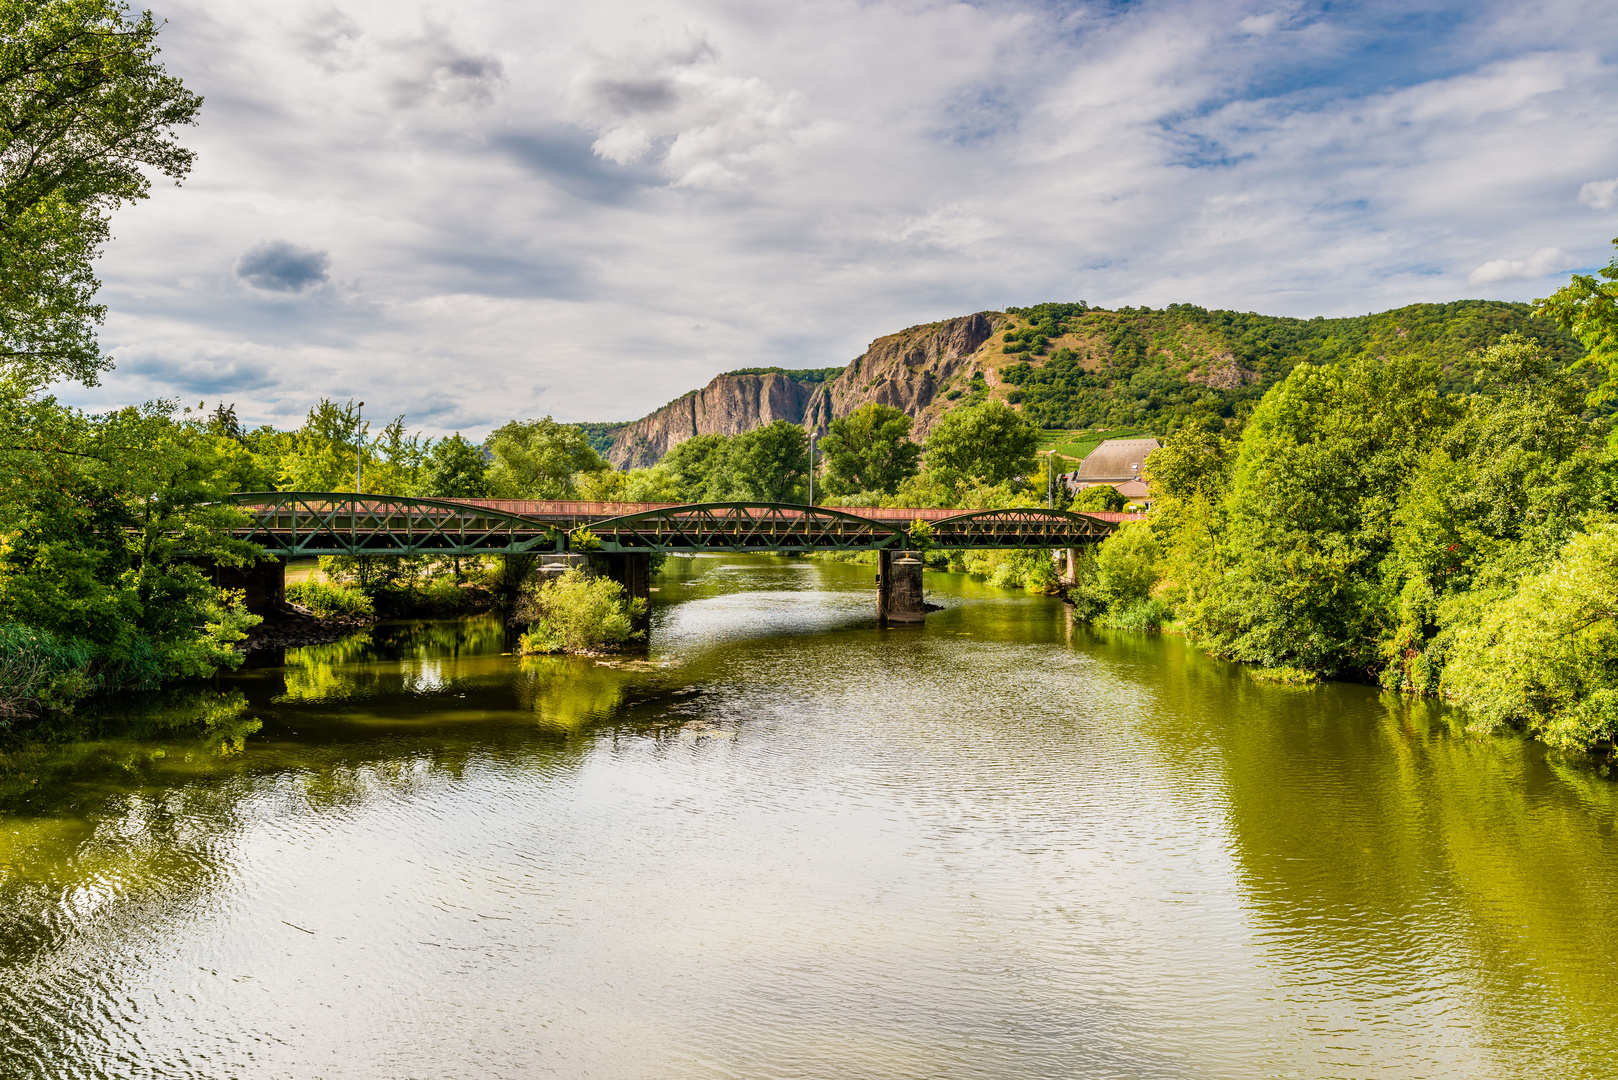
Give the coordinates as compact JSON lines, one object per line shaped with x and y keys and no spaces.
{"x":359,"y":447}
{"x":813,"y":435}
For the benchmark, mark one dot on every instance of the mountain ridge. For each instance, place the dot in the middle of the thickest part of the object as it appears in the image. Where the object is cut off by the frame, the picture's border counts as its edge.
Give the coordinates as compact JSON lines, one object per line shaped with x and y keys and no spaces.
{"x":1068,"y":365}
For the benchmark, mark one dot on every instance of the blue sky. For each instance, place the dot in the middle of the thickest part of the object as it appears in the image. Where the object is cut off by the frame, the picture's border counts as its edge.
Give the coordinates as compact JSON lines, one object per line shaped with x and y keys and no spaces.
{"x":472,"y":212}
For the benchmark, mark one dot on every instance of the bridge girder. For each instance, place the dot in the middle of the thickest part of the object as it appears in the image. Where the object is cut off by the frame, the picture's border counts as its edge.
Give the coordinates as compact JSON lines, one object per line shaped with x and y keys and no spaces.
{"x":741,"y":527}
{"x":304,"y":523}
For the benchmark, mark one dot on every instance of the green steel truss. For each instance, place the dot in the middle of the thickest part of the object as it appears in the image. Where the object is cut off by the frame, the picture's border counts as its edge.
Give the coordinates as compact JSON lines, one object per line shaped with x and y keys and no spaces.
{"x":1023,"y":527}
{"x":303,"y":523}
{"x":759,"y":527}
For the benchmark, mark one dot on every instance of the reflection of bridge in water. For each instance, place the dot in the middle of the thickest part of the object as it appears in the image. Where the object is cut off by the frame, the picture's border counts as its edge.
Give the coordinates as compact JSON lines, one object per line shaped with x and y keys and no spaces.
{"x":289,"y":524}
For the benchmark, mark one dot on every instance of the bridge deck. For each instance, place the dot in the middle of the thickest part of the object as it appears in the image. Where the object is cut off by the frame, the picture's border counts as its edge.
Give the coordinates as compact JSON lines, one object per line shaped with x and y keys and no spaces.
{"x":310,"y":523}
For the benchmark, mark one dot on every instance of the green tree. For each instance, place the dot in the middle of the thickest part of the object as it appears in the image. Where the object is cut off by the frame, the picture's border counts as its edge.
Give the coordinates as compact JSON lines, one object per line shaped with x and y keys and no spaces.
{"x":692,"y":462}
{"x":540,"y":459}
{"x":323,"y":454}
{"x":985,"y":444}
{"x":1545,"y":657}
{"x":86,"y":112}
{"x":1323,"y":464}
{"x":869,"y":450}
{"x":767,"y":464}
{"x":454,"y":468}
{"x":1098,"y":497}
{"x":1589,"y":310}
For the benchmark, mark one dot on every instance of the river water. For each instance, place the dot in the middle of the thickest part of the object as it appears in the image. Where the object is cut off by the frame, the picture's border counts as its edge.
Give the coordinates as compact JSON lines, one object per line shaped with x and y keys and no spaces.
{"x":786,"y":842}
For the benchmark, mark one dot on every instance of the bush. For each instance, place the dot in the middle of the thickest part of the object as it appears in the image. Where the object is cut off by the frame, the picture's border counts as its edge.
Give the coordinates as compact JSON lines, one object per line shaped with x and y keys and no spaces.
{"x":39,"y":672}
{"x":325,"y":599}
{"x":1099,"y":497}
{"x":1545,"y":658}
{"x":575,"y":613}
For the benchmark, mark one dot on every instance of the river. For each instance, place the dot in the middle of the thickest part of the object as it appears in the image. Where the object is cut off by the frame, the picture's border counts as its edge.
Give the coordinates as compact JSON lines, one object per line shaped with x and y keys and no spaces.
{"x":785,"y":842}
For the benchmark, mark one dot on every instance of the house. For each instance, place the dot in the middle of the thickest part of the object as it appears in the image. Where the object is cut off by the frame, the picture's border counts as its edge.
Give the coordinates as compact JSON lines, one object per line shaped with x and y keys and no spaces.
{"x":1119,"y":463}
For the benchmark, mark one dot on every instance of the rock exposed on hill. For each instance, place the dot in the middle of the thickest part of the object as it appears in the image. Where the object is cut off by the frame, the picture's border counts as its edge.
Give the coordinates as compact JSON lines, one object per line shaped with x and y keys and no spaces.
{"x":729,"y":405}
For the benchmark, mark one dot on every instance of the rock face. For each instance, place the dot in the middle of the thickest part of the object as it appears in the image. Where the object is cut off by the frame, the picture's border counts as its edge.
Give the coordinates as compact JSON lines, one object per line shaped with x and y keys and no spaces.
{"x":907,"y":370}
{"x":729,"y":405}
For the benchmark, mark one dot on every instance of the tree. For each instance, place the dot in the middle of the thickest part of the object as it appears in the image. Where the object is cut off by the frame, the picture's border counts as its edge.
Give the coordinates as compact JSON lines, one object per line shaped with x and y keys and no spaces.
{"x":1098,"y":497}
{"x":1589,"y":310}
{"x":869,"y":450}
{"x":986,"y":444}
{"x":85,"y":110}
{"x":538,"y":459}
{"x":454,"y":469}
{"x":767,"y":464}
{"x":693,"y":461}
{"x":324,"y":453}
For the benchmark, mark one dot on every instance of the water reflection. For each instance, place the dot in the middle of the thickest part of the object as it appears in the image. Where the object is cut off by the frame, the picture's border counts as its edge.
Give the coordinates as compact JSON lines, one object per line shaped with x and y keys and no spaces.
{"x":999,"y":845}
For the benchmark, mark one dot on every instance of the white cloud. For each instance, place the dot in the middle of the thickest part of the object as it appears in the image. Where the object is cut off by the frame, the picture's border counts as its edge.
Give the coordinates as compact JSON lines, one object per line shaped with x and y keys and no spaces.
{"x":1541,"y":263}
{"x":530,"y":206}
{"x":1599,"y":194}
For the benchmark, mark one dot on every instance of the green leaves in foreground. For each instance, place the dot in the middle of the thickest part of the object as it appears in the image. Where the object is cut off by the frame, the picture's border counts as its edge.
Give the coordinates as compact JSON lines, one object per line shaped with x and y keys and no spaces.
{"x":85,"y":112}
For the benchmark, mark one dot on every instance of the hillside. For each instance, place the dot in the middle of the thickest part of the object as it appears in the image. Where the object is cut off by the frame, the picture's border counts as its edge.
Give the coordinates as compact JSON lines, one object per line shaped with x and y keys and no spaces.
{"x":1070,"y":366}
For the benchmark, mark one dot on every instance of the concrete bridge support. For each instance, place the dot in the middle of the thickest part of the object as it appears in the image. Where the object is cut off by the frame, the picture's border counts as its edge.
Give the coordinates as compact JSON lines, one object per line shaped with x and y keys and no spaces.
{"x":898,"y":587}
{"x":632,"y":570}
{"x":1070,"y":576}
{"x":265,"y":583}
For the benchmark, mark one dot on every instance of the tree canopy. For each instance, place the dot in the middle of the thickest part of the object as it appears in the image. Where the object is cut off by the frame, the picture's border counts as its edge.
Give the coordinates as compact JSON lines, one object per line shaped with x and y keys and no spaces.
{"x":85,"y":111}
{"x":984,"y":444}
{"x":539,"y":459}
{"x":869,"y":450}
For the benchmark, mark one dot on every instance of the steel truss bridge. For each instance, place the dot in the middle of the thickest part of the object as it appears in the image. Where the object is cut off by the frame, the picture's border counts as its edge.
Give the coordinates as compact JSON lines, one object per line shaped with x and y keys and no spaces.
{"x":294,"y":524}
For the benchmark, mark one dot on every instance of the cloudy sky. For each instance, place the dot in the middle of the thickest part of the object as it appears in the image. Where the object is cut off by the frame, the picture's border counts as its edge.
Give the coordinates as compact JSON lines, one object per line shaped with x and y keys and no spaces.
{"x":470,"y":212}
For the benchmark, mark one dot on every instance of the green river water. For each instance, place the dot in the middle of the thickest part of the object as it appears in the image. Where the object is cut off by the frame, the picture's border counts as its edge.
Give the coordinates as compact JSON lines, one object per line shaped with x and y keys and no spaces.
{"x":786,"y":842}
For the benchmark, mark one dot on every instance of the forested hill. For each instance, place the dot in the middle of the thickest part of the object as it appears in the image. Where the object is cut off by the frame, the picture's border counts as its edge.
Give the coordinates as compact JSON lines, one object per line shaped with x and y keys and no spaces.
{"x":1073,"y":366}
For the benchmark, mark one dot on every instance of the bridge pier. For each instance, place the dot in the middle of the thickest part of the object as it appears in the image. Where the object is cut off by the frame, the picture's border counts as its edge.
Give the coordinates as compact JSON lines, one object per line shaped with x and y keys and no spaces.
{"x":265,"y":582}
{"x":898,"y":587}
{"x":1071,"y":575}
{"x":632,"y":570}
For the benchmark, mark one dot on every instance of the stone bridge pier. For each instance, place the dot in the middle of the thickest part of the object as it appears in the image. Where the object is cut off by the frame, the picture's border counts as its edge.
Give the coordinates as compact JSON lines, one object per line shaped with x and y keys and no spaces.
{"x":898,"y":587}
{"x":632,"y":570}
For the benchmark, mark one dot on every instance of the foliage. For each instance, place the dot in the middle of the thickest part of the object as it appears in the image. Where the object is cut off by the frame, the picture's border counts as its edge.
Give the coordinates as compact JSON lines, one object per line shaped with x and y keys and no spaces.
{"x":692,"y":462}
{"x":1545,"y":657}
{"x":39,"y":672}
{"x":657,"y":484}
{"x":803,"y":375}
{"x":326,"y":599}
{"x":869,"y":450}
{"x":540,"y":459}
{"x":85,"y":111}
{"x":601,"y":436}
{"x":453,"y":468}
{"x":1098,"y":497}
{"x":984,"y":444}
{"x":1589,"y":310}
{"x":576,"y":613}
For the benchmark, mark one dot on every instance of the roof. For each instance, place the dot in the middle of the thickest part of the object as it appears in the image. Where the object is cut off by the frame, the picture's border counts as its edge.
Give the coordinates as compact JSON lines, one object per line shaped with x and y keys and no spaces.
{"x":1116,"y":460}
{"x":1132,"y":489}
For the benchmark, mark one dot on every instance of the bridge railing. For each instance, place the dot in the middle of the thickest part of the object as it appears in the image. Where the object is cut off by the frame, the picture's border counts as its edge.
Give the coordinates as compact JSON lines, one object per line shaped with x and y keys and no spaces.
{"x":303,"y":523}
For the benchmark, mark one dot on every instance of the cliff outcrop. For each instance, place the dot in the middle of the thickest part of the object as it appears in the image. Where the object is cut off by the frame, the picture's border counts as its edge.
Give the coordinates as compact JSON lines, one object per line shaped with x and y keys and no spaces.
{"x":909,"y":371}
{"x":729,"y":405}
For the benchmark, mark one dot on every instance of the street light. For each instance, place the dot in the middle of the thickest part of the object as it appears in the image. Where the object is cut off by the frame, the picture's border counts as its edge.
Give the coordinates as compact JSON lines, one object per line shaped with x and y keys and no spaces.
{"x":359,"y":447}
{"x":812,"y":437}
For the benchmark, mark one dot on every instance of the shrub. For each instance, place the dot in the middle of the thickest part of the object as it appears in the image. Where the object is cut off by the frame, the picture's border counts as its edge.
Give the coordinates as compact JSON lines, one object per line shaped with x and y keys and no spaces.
{"x":1098,"y":497}
{"x":325,"y":599}
{"x":576,"y":613}
{"x":39,"y":672}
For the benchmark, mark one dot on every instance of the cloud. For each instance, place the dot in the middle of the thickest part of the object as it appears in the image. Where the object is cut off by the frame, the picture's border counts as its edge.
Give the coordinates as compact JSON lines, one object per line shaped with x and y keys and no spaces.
{"x":282,"y":266}
{"x":553,"y":194}
{"x":1541,"y":263}
{"x":1599,"y":194}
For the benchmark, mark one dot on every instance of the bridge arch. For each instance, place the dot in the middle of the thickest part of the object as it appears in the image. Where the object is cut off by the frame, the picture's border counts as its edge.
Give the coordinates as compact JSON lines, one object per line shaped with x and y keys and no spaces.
{"x":303,"y":523}
{"x":742,"y":527}
{"x":1023,"y":526}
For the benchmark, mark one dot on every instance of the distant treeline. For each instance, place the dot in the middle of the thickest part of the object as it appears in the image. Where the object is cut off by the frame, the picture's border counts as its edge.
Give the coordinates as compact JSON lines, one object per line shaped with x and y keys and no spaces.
{"x":803,"y":375}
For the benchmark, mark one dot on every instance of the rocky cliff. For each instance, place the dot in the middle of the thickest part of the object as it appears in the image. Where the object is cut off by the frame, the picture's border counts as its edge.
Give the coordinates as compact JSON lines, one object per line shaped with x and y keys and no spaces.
{"x":1069,"y":366}
{"x":907,"y":370}
{"x":729,"y":405}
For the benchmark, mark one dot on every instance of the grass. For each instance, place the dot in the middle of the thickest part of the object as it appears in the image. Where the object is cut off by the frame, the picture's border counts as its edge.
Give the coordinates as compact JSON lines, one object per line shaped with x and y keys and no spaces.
{"x":1078,"y":444}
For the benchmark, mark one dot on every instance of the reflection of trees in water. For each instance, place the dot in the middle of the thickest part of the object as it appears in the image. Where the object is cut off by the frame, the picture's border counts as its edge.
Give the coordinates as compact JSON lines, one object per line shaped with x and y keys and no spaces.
{"x":1397,"y":868}
{"x":569,"y":693}
{"x":393,"y":658}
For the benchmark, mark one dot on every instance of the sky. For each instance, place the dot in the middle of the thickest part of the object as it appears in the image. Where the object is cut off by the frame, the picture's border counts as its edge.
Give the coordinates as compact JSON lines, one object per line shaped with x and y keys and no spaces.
{"x":473,"y":212}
